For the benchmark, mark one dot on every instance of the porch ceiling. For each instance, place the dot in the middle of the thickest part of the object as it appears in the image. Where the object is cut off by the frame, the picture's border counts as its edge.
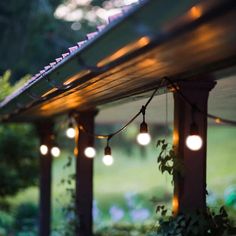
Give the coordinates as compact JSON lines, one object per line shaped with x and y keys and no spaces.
{"x":156,"y":39}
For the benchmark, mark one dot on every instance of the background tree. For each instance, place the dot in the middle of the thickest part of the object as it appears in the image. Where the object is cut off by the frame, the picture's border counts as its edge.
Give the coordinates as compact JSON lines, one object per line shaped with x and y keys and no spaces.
{"x":19,"y":158}
{"x":18,"y":149}
{"x":31,"y":37}
{"x":34,"y":33}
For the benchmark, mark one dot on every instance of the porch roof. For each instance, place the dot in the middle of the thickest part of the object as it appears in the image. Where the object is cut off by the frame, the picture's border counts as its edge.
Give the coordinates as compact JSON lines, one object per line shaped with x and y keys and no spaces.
{"x":129,"y":56}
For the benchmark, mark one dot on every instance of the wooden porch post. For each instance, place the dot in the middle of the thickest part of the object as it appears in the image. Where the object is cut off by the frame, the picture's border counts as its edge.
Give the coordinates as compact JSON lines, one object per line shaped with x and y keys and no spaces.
{"x":84,"y":175}
{"x":190,"y":190}
{"x":45,"y":131}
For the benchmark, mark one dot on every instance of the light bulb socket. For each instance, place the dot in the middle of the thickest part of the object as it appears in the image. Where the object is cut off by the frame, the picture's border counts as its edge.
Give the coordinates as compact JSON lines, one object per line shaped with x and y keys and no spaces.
{"x":70,"y":124}
{"x":107,"y":150}
{"x":55,"y":144}
{"x":143,"y":127}
{"x":194,"y":129}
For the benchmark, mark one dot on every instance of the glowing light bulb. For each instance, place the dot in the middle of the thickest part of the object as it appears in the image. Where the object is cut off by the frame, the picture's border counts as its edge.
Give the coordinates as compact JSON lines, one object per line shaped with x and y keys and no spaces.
{"x":43,"y":149}
{"x":143,"y":137}
{"x":194,"y":142}
{"x":218,"y":121}
{"x":70,"y":132}
{"x":107,"y":159}
{"x":90,"y":152}
{"x":55,"y":151}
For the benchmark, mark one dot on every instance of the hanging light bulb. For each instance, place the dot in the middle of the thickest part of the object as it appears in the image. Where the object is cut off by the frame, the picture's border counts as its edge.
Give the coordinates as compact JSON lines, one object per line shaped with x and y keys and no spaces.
{"x":107,"y":159}
{"x":144,"y":137}
{"x":194,"y":140}
{"x":43,"y":149}
{"x":90,"y":152}
{"x":55,"y":151}
{"x":70,"y":132}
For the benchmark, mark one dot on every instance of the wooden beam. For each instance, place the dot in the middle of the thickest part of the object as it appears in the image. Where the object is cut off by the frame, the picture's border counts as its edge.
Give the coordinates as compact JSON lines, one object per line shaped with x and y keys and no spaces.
{"x":45,"y":131}
{"x":84,"y":174}
{"x":190,"y":189}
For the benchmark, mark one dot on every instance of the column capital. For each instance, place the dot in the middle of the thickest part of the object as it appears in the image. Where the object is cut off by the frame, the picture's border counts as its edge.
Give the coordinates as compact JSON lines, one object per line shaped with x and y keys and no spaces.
{"x":206,"y":83}
{"x":91,"y":112}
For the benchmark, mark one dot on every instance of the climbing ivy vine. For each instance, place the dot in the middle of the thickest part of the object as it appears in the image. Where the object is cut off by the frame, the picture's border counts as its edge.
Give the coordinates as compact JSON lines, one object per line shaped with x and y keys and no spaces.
{"x":167,"y":160}
{"x":195,"y":223}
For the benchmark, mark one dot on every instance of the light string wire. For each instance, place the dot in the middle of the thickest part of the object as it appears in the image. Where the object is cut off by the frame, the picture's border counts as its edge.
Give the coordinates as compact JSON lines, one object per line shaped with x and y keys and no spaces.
{"x":164,"y":82}
{"x":111,"y":135}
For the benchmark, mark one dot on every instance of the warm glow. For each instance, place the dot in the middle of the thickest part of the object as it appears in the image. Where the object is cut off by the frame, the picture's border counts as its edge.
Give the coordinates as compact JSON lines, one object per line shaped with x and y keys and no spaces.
{"x":195,"y":12}
{"x":43,"y":149}
{"x":143,"y":41}
{"x":144,"y":138}
{"x":194,"y":142}
{"x":49,"y":92}
{"x":76,"y":150}
{"x":55,"y":151}
{"x":218,"y":120}
{"x":89,"y":152}
{"x":125,"y":50}
{"x":108,"y":160}
{"x":145,"y":63}
{"x":76,"y":77}
{"x":175,"y":137}
{"x":70,"y":132}
{"x":175,"y":204}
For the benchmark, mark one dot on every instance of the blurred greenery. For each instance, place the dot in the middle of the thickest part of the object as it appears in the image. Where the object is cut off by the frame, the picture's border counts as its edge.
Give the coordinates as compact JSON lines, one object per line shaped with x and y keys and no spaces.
{"x":18,"y":156}
{"x":127,"y":229}
{"x":26,"y":216}
{"x":6,"y":88}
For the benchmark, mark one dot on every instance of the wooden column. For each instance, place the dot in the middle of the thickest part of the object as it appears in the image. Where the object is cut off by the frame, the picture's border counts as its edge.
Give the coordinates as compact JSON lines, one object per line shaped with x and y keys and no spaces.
{"x":45,"y":131}
{"x":190,"y":189}
{"x":84,"y":174}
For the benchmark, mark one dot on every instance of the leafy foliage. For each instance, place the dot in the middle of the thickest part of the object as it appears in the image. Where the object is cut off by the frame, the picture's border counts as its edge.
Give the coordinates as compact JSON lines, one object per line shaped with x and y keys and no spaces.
{"x":18,"y":157}
{"x":126,"y":229}
{"x":6,"y":222}
{"x":31,"y":37}
{"x":5,"y":86}
{"x":70,"y":222}
{"x":26,"y":217}
{"x":197,"y":223}
{"x":167,"y":159}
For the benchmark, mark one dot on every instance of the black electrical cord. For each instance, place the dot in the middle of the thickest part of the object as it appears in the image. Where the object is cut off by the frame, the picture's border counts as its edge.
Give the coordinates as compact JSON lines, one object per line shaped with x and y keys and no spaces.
{"x":109,"y":136}
{"x":165,"y":81}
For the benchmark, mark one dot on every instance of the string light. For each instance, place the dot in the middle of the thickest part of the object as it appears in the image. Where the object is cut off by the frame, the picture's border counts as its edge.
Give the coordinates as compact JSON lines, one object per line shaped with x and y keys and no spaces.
{"x":43,"y":149}
{"x":218,"y":120}
{"x":108,"y":158}
{"x":143,"y":137}
{"x":55,"y":151}
{"x":90,"y":152}
{"x":70,"y":132}
{"x":194,"y":140}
